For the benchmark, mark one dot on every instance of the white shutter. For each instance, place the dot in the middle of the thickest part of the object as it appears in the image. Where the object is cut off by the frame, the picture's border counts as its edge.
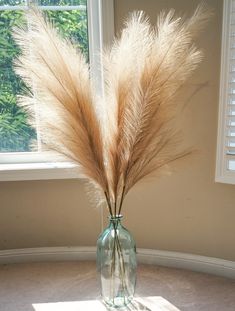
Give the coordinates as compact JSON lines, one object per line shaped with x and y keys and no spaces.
{"x":225,"y":165}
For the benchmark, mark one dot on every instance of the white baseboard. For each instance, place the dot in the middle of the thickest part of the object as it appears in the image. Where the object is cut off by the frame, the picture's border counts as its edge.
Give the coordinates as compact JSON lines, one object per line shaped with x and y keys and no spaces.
{"x":192,"y":262}
{"x":47,"y":254}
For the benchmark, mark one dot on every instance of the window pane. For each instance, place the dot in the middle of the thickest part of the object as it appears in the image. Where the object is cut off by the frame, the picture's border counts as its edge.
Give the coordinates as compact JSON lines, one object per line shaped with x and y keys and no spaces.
{"x":231,"y":165}
{"x":72,"y":24}
{"x":12,"y":2}
{"x":15,"y":133}
{"x":61,"y":2}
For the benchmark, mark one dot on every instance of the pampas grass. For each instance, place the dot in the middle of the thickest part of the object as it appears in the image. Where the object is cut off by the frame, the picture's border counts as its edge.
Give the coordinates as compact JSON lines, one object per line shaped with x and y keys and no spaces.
{"x":144,"y":71}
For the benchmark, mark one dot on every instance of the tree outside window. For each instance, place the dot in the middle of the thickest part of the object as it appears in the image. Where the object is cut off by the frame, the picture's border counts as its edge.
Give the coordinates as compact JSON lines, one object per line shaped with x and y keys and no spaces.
{"x":16,"y":135}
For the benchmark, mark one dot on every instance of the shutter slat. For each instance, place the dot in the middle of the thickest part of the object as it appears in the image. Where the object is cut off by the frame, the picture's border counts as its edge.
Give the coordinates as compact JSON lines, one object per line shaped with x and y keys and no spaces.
{"x":231,"y":138}
{"x":230,"y":120}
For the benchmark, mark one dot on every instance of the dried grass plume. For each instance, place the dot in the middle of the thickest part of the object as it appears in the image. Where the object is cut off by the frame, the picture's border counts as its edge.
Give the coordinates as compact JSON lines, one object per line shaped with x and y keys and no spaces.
{"x":144,"y":70}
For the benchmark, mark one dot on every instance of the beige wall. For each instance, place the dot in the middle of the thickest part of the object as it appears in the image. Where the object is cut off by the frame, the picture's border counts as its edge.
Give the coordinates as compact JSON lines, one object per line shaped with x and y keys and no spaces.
{"x":186,"y":212}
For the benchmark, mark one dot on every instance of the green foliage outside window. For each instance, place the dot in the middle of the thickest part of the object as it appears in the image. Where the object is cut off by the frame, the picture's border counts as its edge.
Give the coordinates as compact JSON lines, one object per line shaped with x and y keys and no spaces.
{"x":15,"y":133}
{"x":12,"y":2}
{"x":62,"y":2}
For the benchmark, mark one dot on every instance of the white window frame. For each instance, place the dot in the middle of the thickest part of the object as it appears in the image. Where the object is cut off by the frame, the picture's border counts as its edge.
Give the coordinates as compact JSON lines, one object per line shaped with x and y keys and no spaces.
{"x":41,"y":165}
{"x":223,"y":174}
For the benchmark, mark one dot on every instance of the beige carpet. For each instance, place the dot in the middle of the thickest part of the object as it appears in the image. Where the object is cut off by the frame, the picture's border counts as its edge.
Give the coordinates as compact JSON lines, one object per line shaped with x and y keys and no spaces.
{"x":72,"y":286}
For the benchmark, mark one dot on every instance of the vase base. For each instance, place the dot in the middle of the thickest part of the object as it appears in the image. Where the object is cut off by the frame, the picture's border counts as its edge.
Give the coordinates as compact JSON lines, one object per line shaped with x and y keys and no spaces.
{"x":117,"y":302}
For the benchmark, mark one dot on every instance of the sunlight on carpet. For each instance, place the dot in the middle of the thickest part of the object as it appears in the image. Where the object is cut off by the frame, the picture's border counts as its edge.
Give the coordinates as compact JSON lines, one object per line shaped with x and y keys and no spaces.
{"x":155,"y":303}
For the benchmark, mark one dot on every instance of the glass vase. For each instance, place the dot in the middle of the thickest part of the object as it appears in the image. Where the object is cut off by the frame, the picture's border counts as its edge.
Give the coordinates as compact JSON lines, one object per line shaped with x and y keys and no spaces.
{"x":116,"y":263}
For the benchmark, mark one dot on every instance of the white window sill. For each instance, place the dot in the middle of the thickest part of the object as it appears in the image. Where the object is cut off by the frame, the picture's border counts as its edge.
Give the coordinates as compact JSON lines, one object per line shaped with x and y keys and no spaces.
{"x":38,"y":171}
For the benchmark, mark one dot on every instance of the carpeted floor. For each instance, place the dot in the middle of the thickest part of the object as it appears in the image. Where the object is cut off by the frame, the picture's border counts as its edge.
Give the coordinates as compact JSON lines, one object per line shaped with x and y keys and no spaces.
{"x":38,"y":286}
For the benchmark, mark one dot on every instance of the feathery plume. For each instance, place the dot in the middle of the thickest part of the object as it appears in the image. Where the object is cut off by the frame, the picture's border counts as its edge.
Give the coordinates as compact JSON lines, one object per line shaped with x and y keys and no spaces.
{"x":144,"y":70}
{"x":59,"y":78}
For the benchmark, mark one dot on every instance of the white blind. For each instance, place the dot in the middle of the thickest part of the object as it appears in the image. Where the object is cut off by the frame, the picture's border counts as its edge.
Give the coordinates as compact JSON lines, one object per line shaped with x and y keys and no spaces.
{"x":225,"y":165}
{"x":230,"y":103}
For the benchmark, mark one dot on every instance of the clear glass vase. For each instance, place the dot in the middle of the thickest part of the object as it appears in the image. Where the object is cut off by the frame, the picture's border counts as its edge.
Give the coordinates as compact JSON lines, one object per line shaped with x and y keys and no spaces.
{"x":116,"y":263}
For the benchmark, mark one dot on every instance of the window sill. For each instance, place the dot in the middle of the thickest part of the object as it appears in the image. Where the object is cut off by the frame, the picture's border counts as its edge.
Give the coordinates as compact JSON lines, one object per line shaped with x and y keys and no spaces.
{"x":39,"y":171}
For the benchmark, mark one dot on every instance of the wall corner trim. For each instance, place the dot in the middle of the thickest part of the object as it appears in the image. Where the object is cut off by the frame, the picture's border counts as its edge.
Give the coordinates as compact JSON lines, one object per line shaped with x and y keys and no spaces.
{"x":216,"y":266}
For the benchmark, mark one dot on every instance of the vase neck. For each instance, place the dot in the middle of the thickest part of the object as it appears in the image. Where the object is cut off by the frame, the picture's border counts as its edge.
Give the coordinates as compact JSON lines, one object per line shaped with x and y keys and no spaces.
{"x":115,"y":220}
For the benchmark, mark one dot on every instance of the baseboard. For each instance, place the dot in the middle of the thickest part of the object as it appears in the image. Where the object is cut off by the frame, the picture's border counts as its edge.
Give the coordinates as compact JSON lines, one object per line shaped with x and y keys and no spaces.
{"x":192,"y":262}
{"x":47,"y":254}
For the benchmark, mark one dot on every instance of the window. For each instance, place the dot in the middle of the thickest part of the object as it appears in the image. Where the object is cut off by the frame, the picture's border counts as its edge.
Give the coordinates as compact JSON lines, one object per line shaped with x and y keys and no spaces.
{"x":225,"y":164}
{"x":89,"y":24}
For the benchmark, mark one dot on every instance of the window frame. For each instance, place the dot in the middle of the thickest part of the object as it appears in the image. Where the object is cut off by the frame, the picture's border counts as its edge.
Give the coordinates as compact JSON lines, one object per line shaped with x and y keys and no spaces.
{"x":223,"y":174}
{"x":46,"y":165}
